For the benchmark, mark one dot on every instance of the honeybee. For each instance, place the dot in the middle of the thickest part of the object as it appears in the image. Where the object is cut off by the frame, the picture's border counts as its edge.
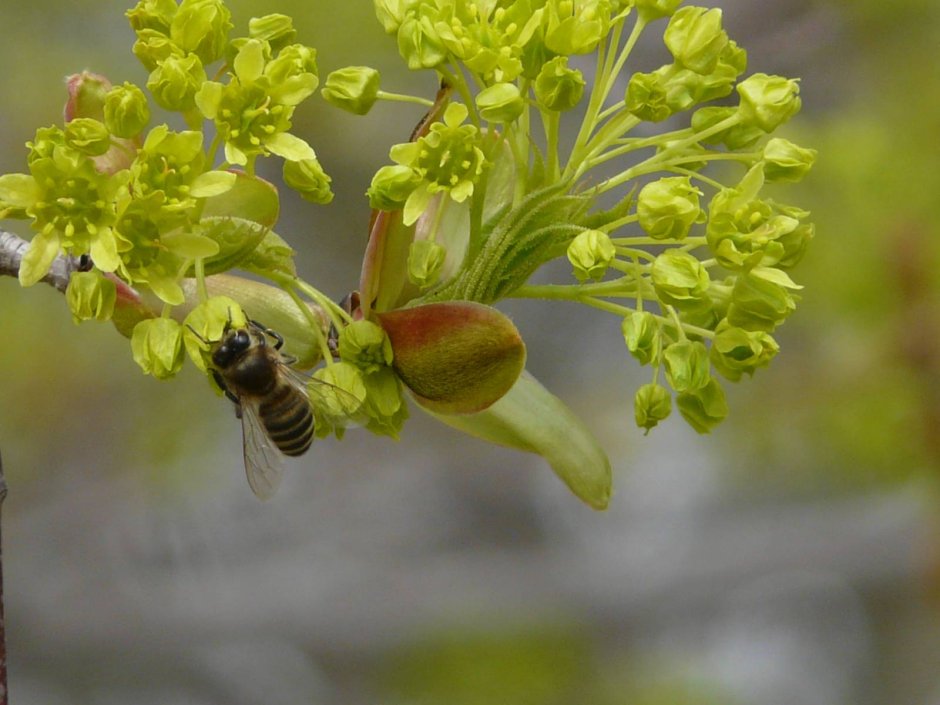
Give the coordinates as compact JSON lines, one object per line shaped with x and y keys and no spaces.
{"x":271,"y":398}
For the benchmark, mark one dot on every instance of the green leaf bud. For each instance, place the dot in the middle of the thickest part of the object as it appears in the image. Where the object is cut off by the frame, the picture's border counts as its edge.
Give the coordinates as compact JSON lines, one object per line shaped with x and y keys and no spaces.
{"x":88,"y":136}
{"x":647,"y":97}
{"x":90,"y":296}
{"x":591,"y":253}
{"x":275,"y":29}
{"x":175,"y":81}
{"x":651,"y":404}
{"x":157,"y":345}
{"x":785,"y":161}
{"x":680,"y":279}
{"x":365,"y":345}
{"x":668,"y":207}
{"x":425,"y":262}
{"x":649,"y":10}
{"x":419,"y":44}
{"x":704,"y":408}
{"x":558,"y":87}
{"x":354,"y":89}
{"x":739,"y":136}
{"x":308,"y":179}
{"x":760,"y":299}
{"x":641,"y":333}
{"x":152,"y":14}
{"x":695,"y":38}
{"x":768,"y":101}
{"x":686,"y":364}
{"x":501,"y":102}
{"x":391,"y":187}
{"x":201,"y":27}
{"x":126,"y":112}
{"x":736,"y":351}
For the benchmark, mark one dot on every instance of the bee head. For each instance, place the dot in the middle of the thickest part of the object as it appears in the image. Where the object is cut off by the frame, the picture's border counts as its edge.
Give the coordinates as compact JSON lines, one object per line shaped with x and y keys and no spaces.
{"x":235,"y":342}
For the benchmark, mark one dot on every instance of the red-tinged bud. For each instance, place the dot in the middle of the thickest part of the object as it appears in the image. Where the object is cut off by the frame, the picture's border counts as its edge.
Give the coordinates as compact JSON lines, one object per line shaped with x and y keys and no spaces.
{"x":86,"y":95}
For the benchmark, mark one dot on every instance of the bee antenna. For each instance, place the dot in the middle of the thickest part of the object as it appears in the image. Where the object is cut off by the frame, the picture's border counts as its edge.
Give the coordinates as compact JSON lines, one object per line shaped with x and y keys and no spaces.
{"x":196,"y":333}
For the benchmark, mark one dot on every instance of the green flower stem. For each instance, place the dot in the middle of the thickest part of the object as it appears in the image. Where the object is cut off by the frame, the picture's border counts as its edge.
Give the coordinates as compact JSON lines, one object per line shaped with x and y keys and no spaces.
{"x":634,"y":255}
{"x":611,"y":110}
{"x":631,"y":241}
{"x":551,"y":120}
{"x":717,"y":185}
{"x":403,"y":98}
{"x":311,"y":318}
{"x":619,"y":223}
{"x":200,"y":272}
{"x":674,"y":317}
{"x":458,"y":81}
{"x":613,"y":129}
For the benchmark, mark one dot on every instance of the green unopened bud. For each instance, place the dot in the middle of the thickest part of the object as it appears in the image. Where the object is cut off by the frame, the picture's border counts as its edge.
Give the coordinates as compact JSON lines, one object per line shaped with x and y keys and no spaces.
{"x":425,"y":262}
{"x":126,"y":112}
{"x":365,"y":345}
{"x":647,"y":97}
{"x":558,"y":87}
{"x":157,"y":344}
{"x":760,"y":299}
{"x":201,"y":27}
{"x":341,"y":399}
{"x":275,"y":29}
{"x":668,"y":208}
{"x":88,"y":136}
{"x":385,"y":406}
{"x":575,"y":28}
{"x":354,"y":89}
{"x":686,"y":364}
{"x":153,"y":46}
{"x":90,"y":296}
{"x":649,"y":10}
{"x":152,"y":14}
{"x":736,"y":351}
{"x":86,"y":93}
{"x":768,"y":101}
{"x":794,"y":244}
{"x":500,"y":102}
{"x":292,"y":75}
{"x":391,"y":187}
{"x":785,"y":161}
{"x":695,"y":38}
{"x":419,"y":44}
{"x":651,"y":404}
{"x":391,"y":13}
{"x":738,"y":136}
{"x":704,"y":408}
{"x":308,"y":179}
{"x":175,"y":81}
{"x":641,"y":333}
{"x":591,"y":253}
{"x":680,"y":279}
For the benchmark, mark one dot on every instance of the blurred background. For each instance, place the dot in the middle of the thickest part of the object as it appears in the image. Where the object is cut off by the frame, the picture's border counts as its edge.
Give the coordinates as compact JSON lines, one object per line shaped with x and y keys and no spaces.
{"x":792,"y":557}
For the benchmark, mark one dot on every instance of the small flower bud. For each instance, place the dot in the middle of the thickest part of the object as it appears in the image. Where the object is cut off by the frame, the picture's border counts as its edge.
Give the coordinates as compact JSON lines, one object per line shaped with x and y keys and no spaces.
{"x":695,"y":38}
{"x":651,"y":404}
{"x":126,"y":112}
{"x":649,"y":10}
{"x":275,"y":29}
{"x":647,"y":97}
{"x":201,"y":27}
{"x":86,"y":95}
{"x":153,"y":46}
{"x":667,"y":208}
{"x":90,"y":296}
{"x":88,"y":136}
{"x":157,"y":344}
{"x":308,"y":179}
{"x":175,"y":81}
{"x":575,"y":28}
{"x":391,"y":187}
{"x":768,"y":101}
{"x":736,"y":137}
{"x":391,"y":13}
{"x":425,"y":262}
{"x":704,"y":408}
{"x":292,"y":75}
{"x":558,"y":87}
{"x":785,"y":161}
{"x":419,"y":44}
{"x":354,"y":89}
{"x":500,"y":102}
{"x":760,"y":300}
{"x":680,"y":279}
{"x":686,"y":364}
{"x":152,"y":14}
{"x":591,"y":252}
{"x":736,"y":351}
{"x":641,"y":333}
{"x":365,"y":345}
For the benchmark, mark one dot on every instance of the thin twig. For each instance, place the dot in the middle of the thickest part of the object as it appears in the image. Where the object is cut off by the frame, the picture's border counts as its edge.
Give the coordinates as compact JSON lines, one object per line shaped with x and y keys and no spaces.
{"x":12,"y":249}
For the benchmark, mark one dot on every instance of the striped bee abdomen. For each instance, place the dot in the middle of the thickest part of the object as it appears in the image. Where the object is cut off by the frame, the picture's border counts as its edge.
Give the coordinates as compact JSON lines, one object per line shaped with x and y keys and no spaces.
{"x":288,"y":419}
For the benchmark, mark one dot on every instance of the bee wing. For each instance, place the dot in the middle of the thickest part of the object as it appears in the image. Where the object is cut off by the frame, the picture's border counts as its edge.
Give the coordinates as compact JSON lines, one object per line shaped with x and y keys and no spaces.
{"x":264,"y":463}
{"x":329,"y":402}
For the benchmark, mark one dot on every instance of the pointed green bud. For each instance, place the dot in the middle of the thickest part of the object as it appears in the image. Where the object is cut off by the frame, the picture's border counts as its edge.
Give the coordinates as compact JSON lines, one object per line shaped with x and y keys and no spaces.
{"x":558,"y":87}
{"x":175,"y":81}
{"x":365,"y":345}
{"x":651,"y":404}
{"x":308,"y":179}
{"x":90,"y":296}
{"x":275,"y":29}
{"x":501,"y":102}
{"x":704,"y":408}
{"x":667,"y":208}
{"x":201,"y":27}
{"x":686,"y":364}
{"x":419,"y":44}
{"x":641,"y":333}
{"x":680,"y":279}
{"x":768,"y":101}
{"x":647,"y":97}
{"x":591,"y":253}
{"x":785,"y":161}
{"x":206,"y":324}
{"x":152,"y":14}
{"x":695,"y":38}
{"x":425,"y":262}
{"x":736,"y":351}
{"x":354,"y":89}
{"x":157,"y":344}
{"x":760,"y":299}
{"x":649,"y":10}
{"x":391,"y":187}
{"x":88,"y":136}
{"x":126,"y":112}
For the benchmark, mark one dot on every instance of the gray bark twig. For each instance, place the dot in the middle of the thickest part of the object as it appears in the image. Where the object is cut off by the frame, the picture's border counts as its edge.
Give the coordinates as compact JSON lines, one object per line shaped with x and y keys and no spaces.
{"x":12,"y":249}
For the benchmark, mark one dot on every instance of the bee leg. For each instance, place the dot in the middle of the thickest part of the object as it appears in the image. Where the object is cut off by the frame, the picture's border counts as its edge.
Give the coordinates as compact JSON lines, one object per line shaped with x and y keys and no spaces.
{"x":221,"y":382}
